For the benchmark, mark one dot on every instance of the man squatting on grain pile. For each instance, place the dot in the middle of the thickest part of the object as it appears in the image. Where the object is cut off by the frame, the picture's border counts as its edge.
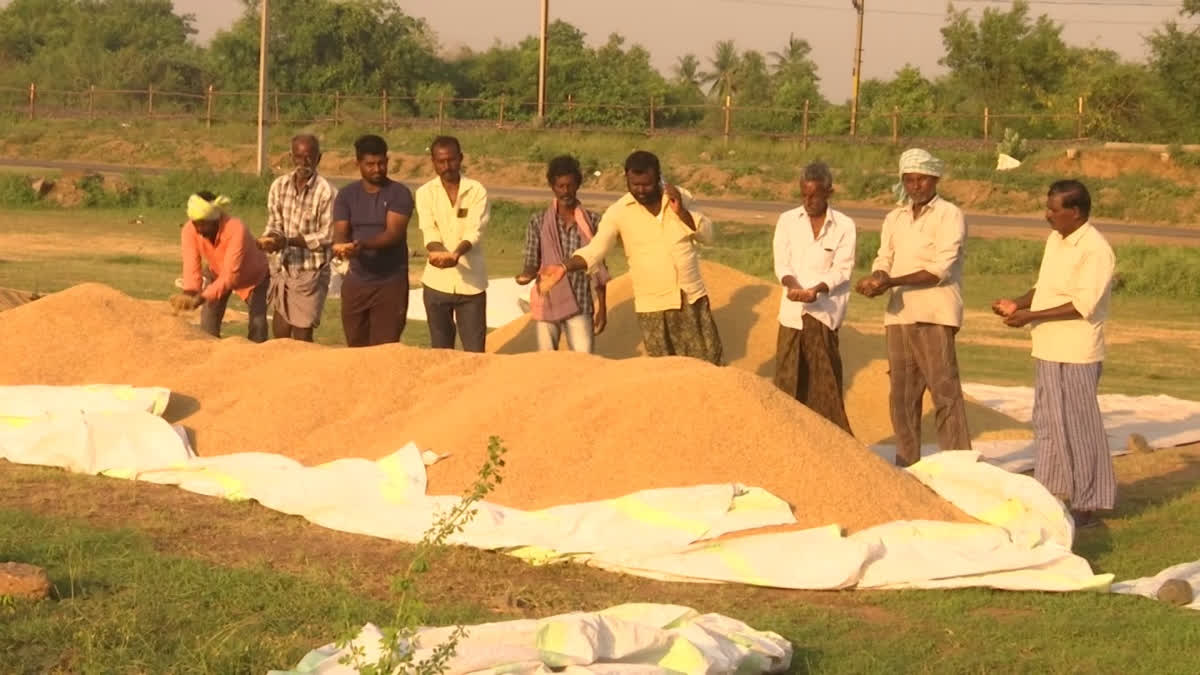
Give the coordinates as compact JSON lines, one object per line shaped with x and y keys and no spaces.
{"x":235,"y":265}
{"x":453,"y":212}
{"x":1067,"y":308}
{"x":579,"y":307}
{"x":298,"y":234}
{"x":814,"y":250}
{"x":920,"y":260}
{"x":658,"y":230}
{"x":370,"y":229}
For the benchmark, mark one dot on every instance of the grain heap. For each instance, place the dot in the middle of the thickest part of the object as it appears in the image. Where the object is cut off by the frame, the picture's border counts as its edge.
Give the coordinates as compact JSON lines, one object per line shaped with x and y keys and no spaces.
{"x":746,"y":310}
{"x":578,"y":427}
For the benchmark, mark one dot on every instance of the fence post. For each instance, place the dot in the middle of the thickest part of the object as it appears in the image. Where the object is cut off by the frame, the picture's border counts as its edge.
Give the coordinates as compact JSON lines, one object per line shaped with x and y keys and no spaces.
{"x":441,"y":111}
{"x":570,"y":110}
{"x":32,"y":100}
{"x":501,"y":124}
{"x":728,"y":105}
{"x":275,"y":104}
{"x":987,"y":123}
{"x":1079,"y":120}
{"x":208,"y":106}
{"x":337,"y":108}
{"x":386,"y":120}
{"x":150,"y":101}
{"x":804,"y":126}
{"x":651,"y":114}
{"x":895,"y":125}
{"x":92,"y":102}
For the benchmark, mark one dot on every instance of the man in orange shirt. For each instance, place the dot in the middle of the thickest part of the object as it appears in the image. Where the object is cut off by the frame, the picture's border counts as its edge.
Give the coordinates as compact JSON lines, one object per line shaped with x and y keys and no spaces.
{"x":235,"y":265}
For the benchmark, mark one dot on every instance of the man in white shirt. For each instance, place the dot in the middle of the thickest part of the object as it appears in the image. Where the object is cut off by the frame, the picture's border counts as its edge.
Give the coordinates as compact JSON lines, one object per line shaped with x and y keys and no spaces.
{"x":1067,"y":309}
{"x":920,"y":263}
{"x":814,"y":257}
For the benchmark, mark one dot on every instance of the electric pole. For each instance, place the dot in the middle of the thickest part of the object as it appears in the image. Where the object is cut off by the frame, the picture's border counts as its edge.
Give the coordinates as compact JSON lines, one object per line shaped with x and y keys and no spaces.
{"x":263,"y":165}
{"x":541,"y":106}
{"x":858,"y":6}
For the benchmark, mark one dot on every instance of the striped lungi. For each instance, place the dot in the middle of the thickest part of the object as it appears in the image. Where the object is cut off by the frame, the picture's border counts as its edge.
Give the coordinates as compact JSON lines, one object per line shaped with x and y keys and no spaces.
{"x":1072,"y":459}
{"x":299,"y":295}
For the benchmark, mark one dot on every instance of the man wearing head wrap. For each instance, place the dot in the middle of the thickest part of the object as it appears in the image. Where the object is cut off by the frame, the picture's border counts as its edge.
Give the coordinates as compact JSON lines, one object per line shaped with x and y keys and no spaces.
{"x":920,"y":264}
{"x":235,"y":265}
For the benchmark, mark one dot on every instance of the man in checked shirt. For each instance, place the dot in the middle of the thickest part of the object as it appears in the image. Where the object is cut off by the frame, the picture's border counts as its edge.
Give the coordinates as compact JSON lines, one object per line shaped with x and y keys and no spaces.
{"x":299,"y":232}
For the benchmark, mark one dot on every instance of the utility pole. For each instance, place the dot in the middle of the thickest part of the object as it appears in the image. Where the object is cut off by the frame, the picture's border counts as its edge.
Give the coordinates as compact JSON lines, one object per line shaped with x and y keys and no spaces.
{"x":859,"y":7}
{"x":263,"y":165}
{"x":541,"y":107}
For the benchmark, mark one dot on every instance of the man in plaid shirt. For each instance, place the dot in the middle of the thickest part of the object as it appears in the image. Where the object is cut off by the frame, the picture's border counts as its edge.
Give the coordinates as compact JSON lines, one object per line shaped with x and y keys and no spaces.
{"x":552,"y":238}
{"x":298,"y":235}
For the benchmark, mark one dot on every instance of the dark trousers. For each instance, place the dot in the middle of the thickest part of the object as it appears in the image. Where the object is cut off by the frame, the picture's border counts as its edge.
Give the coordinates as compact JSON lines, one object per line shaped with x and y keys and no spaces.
{"x":451,"y":314}
{"x":212,"y":313}
{"x":374,"y":313}
{"x":808,"y":367}
{"x":921,"y":356}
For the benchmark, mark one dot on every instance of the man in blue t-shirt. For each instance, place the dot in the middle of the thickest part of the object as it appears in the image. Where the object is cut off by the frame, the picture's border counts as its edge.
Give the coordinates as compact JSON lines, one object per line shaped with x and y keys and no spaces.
{"x":370,"y":229}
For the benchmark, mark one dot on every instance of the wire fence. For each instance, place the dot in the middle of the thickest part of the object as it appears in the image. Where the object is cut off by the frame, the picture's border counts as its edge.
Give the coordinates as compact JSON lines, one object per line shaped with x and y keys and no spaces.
{"x":431,"y":111}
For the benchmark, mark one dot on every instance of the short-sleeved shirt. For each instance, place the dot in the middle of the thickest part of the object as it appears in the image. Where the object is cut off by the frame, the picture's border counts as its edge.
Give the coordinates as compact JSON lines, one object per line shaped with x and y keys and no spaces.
{"x":367,"y":214}
{"x":1077,"y":269}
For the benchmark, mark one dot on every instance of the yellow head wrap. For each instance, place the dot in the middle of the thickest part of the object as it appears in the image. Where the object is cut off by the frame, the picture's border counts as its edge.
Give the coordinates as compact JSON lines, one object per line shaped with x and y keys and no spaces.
{"x":199,"y":208}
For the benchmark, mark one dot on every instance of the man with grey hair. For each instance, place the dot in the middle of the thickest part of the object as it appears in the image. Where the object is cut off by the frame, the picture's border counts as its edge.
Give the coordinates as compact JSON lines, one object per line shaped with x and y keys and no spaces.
{"x":920,"y":263}
{"x":814,"y":257}
{"x":298,"y":235}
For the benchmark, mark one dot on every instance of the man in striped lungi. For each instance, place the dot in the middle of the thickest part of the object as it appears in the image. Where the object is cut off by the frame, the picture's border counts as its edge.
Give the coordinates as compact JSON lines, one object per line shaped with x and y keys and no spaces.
{"x":1067,"y":309}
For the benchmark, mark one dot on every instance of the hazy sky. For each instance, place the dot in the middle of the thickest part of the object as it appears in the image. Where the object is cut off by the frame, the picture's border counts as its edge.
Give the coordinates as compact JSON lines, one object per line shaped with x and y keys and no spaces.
{"x":896,"y":31}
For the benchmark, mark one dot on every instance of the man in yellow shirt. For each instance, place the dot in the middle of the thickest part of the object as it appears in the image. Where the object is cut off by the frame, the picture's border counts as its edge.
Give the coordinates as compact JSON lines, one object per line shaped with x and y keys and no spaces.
{"x":659,"y":232}
{"x":453,"y":212}
{"x":920,"y":263}
{"x":1067,"y":309}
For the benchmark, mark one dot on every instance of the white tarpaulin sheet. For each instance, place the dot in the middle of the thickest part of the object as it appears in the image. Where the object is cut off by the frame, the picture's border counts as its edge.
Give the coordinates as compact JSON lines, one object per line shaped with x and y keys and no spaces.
{"x":1022,"y":542}
{"x":634,"y":638}
{"x":1164,"y":421}
{"x":507,"y":301}
{"x":1148,"y":586}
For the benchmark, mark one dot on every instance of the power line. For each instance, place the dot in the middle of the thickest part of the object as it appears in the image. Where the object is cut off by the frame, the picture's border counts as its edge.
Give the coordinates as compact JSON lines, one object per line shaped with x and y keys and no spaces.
{"x":904,"y":12}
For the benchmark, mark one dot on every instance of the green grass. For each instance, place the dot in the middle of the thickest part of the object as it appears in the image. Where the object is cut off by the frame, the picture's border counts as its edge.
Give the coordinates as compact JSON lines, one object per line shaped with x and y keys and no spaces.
{"x":157,"y":581}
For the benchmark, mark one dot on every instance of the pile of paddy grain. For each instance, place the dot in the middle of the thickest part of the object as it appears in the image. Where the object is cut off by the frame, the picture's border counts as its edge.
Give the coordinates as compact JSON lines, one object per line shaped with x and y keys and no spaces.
{"x":10,"y":298}
{"x":746,"y":310}
{"x":577,"y":427}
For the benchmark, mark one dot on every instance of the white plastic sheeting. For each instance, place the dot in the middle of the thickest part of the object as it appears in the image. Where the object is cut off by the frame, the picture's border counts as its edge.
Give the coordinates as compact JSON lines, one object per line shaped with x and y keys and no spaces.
{"x":634,"y":638}
{"x":1164,"y":421}
{"x":1148,"y":586}
{"x":1022,"y":541}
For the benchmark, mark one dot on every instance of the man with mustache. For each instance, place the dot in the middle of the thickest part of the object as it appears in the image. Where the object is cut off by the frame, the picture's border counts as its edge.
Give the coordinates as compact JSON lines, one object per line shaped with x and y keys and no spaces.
{"x":298,"y":235}
{"x":452,"y":212}
{"x":659,"y":231}
{"x":370,"y":229}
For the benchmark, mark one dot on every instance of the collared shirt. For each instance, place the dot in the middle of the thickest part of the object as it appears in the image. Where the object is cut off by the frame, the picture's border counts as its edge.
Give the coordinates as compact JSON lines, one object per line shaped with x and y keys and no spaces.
{"x":572,"y":241}
{"x":450,"y":224}
{"x":934,"y":242}
{"x":307,"y":213}
{"x":237,"y":264}
{"x":662,"y":252}
{"x":825,"y":258}
{"x":367,"y":214}
{"x":1077,"y":269}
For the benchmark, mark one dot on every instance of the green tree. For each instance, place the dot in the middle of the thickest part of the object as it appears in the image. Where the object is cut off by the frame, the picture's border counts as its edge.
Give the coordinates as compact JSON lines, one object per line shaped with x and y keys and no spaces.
{"x":112,"y":44}
{"x":1175,"y":59}
{"x":725,"y":65}
{"x":362,"y":47}
{"x":1005,"y":60}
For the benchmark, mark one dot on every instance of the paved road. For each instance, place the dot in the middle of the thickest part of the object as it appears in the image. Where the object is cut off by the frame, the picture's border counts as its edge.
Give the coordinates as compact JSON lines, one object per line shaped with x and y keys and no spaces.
{"x":754,"y":211}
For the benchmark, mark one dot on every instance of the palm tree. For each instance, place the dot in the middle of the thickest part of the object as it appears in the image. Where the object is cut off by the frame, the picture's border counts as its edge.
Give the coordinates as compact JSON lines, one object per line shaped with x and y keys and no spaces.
{"x":687,"y":70}
{"x":725,"y":63}
{"x":795,"y":54}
